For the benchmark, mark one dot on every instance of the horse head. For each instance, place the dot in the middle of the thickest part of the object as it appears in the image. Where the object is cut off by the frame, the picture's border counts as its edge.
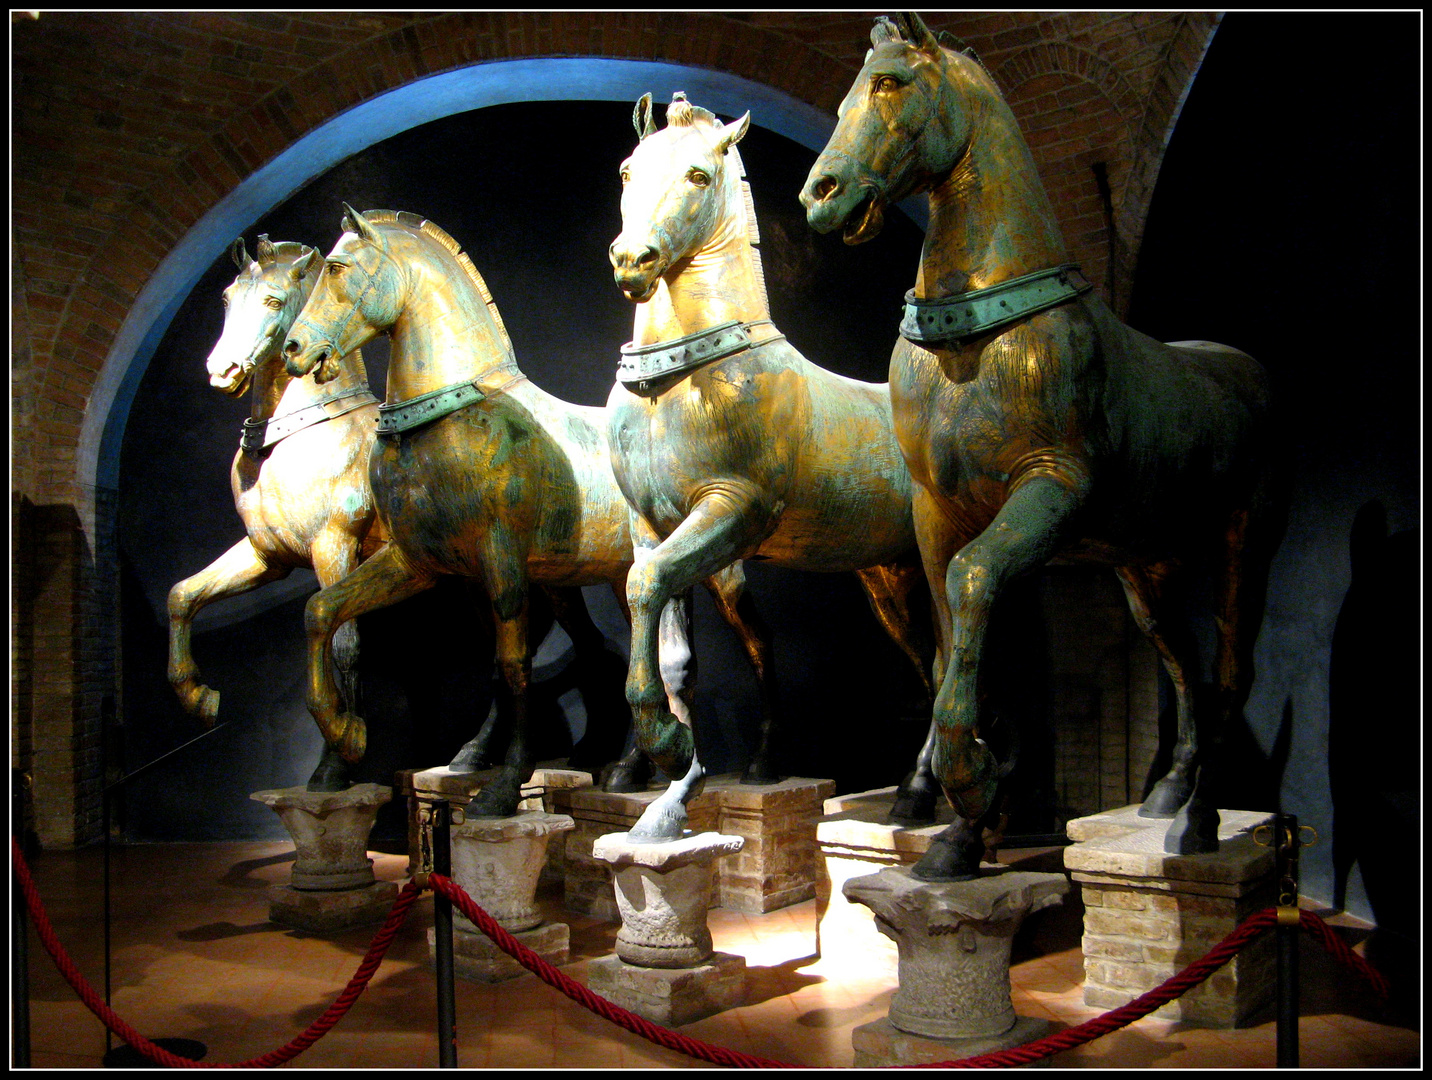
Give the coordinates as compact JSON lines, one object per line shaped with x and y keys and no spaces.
{"x":357,"y":297}
{"x":678,"y":188}
{"x":905,"y":123}
{"x":259,"y":307}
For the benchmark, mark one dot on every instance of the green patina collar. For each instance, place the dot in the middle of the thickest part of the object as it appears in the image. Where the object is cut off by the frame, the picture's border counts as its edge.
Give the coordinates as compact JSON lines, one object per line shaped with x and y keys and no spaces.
{"x":641,"y":365}
{"x":259,"y":435}
{"x":404,"y":415}
{"x":967,"y":315}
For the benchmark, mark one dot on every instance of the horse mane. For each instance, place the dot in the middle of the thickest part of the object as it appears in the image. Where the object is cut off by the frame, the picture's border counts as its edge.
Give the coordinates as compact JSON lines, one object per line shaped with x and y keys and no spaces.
{"x":434,"y":232}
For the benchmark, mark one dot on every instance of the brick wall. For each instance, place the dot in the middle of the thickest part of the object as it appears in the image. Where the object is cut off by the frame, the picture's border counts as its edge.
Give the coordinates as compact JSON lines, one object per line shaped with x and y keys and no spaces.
{"x":128,"y":127}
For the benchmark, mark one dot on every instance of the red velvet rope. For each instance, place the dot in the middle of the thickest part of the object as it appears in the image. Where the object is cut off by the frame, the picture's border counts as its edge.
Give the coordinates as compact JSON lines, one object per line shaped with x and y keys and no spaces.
{"x":95,"y":1002}
{"x":1020,"y":1055}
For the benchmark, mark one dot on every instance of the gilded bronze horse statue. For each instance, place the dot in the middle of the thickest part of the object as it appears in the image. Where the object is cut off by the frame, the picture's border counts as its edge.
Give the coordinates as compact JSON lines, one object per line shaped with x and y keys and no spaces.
{"x":476,"y":472}
{"x":300,"y":477}
{"x":1036,"y":424}
{"x":728,"y":443}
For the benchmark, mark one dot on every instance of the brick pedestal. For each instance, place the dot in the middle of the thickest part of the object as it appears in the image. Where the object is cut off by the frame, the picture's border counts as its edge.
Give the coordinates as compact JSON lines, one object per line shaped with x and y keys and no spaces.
{"x":1149,"y":914}
{"x":779,"y":865}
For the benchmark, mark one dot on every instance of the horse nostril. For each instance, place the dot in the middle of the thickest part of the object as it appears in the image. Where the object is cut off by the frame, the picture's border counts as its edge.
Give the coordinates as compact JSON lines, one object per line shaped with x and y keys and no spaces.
{"x":824,"y":188}
{"x":647,"y":257}
{"x":291,"y":347}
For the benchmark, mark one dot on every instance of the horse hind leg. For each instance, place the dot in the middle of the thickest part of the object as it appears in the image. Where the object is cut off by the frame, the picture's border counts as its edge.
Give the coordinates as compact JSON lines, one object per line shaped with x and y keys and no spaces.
{"x":734,"y":602}
{"x":334,"y":558}
{"x":601,"y":675}
{"x":889,"y":590}
{"x":1149,"y":592}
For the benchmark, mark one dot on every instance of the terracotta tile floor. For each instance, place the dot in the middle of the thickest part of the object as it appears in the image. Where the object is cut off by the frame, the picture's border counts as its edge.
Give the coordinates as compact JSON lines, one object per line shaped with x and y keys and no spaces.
{"x":194,"y":956}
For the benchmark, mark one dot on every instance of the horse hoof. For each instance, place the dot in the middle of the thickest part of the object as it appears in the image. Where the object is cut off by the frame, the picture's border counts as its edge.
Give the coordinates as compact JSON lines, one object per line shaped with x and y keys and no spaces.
{"x":352,"y":738}
{"x":760,"y":771}
{"x":660,"y":824}
{"x":1194,"y":830}
{"x":496,"y":799}
{"x":207,"y":707}
{"x":331,"y":774}
{"x":470,"y":761}
{"x":621,"y":780}
{"x":1166,"y":798}
{"x":913,"y":807}
{"x":945,"y":862}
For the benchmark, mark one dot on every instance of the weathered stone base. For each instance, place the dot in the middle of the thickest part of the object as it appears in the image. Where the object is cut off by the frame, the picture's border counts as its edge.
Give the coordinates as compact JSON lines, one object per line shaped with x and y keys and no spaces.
{"x":779,"y":865}
{"x":1149,"y":914}
{"x":587,"y":883}
{"x":475,"y":957}
{"x":330,"y":911}
{"x":671,"y":996}
{"x":880,"y":1043}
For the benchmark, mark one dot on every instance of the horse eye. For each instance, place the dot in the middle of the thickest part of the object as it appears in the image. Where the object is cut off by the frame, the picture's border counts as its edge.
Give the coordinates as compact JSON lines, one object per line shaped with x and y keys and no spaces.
{"x":274,"y":302}
{"x":334,"y":269}
{"x":626,"y":176}
{"x":699,"y":178}
{"x":887,"y":83}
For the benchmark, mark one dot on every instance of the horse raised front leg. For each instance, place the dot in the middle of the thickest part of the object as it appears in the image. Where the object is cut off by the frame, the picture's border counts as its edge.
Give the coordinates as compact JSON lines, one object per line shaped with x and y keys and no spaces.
{"x":238,"y":570}
{"x":384,"y":579}
{"x":1024,"y":535}
{"x":719,"y":528}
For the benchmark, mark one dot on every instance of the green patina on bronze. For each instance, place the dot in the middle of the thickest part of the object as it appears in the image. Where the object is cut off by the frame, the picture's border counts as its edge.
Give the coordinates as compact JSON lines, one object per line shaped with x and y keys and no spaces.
{"x":300,"y":478}
{"x":743,"y":452}
{"x":1062,"y":432}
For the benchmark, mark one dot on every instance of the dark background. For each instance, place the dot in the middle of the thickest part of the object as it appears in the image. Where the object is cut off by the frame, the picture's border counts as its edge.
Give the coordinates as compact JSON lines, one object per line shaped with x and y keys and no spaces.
{"x":1285,"y":222}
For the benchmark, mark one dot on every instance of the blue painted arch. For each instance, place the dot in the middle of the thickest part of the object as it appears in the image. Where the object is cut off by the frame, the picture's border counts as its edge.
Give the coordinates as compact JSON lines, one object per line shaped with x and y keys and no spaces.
{"x":461,"y":90}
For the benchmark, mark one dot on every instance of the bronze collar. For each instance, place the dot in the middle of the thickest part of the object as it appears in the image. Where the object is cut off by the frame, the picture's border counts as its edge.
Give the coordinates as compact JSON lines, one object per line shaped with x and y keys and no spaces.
{"x":261,"y":434}
{"x":967,"y":315}
{"x":402,"y":416}
{"x":641,"y":365}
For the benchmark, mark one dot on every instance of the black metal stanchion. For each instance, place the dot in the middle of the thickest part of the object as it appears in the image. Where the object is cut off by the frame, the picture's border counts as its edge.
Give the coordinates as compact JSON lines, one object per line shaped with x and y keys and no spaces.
{"x":1285,"y":856}
{"x":20,"y":962}
{"x":441,"y":818}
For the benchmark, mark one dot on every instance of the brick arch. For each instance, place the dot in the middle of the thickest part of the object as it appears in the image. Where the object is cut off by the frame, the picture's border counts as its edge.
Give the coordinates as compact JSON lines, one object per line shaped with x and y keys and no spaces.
{"x":1048,"y":58}
{"x":100,"y":321}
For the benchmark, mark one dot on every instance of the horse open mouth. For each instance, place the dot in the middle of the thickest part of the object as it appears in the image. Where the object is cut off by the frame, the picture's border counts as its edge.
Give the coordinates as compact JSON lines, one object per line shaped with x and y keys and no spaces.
{"x":311,"y":360}
{"x":234,"y":381}
{"x":638,"y":288}
{"x":866,"y":220}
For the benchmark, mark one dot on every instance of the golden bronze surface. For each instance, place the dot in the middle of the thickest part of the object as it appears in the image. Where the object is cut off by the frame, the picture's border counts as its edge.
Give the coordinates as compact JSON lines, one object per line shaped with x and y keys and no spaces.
{"x":756,"y":454}
{"x":305,"y":500}
{"x":1064,"y":431}
{"x":511,"y":489}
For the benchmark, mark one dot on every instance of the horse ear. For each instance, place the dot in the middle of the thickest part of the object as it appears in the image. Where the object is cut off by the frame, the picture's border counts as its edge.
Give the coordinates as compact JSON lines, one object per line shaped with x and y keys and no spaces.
{"x":913,"y":29}
{"x":733,"y":133}
{"x":238,"y":254}
{"x":641,"y":118}
{"x":303,"y":264}
{"x":265,"y":252}
{"x":355,"y":222}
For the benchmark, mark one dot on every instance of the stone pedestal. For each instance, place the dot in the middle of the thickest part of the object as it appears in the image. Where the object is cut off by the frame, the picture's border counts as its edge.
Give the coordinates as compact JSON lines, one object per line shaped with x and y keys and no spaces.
{"x":779,"y":865}
{"x":855,"y":838}
{"x":331,"y":887}
{"x":587,"y":884}
{"x":538,"y":794}
{"x":954,"y":941}
{"x":1149,"y":914}
{"x":498,"y":862}
{"x":666,"y":968}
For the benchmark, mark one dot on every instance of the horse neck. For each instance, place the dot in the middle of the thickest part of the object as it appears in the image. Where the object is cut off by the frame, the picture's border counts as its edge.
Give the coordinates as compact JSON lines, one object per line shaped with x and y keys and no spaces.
{"x":444,"y":334}
{"x":718,"y":283}
{"x":990,"y":218}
